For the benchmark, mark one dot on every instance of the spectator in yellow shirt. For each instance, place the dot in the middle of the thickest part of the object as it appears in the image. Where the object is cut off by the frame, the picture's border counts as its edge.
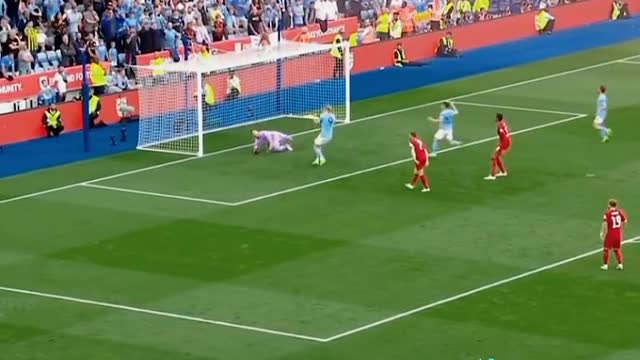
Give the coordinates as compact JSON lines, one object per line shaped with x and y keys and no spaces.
{"x":31,"y":36}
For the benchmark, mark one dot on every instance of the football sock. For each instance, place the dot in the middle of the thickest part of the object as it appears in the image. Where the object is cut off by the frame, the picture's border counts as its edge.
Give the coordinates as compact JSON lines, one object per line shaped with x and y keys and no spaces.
{"x":493,"y":167}
{"x":605,"y":256}
{"x":425,"y":182}
{"x":318,"y":150}
{"x":434,"y":147}
{"x":603,"y":131}
{"x":415,"y":179}
{"x":618,"y":254}
{"x":500,"y":165}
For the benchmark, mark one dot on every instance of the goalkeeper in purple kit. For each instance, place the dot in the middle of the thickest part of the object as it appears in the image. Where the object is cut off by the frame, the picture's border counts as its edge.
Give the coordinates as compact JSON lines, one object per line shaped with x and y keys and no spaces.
{"x":273,"y":141}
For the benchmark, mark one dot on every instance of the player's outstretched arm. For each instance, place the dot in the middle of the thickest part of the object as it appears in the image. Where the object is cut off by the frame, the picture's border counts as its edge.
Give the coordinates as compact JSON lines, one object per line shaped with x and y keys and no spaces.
{"x":434,"y":119}
{"x":454,"y":108}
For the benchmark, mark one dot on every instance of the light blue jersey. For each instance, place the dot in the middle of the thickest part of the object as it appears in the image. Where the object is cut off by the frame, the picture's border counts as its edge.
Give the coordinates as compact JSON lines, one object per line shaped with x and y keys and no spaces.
{"x":446,"y":119}
{"x":327,"y":121}
{"x":601,"y":110}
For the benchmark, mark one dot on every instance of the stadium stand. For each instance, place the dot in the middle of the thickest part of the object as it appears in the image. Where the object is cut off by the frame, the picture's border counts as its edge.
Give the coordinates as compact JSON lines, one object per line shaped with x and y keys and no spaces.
{"x":54,"y":32}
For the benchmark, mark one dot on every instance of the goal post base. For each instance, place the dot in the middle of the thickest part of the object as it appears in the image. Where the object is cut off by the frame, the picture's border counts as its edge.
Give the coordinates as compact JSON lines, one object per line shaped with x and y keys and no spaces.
{"x":180,"y":103}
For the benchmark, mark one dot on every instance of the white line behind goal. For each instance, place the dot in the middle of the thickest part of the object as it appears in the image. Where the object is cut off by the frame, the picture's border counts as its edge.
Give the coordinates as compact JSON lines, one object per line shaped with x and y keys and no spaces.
{"x":180,"y":102}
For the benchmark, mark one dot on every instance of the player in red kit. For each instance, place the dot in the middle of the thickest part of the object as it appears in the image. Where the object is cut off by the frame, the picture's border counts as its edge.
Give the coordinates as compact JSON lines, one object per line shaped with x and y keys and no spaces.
{"x":611,"y":233}
{"x":420,"y":160}
{"x":504,"y":144}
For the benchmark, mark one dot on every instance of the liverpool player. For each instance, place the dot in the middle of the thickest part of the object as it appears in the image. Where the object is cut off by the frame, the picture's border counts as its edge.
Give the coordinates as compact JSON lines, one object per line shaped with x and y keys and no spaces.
{"x":420,"y":160}
{"x":612,"y":223}
{"x":504,"y":143}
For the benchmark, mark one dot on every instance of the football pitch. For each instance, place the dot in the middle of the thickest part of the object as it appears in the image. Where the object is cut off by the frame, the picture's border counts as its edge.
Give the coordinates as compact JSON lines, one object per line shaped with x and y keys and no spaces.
{"x":235,"y":256}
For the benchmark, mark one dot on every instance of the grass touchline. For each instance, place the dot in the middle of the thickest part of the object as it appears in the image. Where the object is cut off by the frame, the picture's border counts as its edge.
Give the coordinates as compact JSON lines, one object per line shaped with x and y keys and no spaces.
{"x":507,"y":86}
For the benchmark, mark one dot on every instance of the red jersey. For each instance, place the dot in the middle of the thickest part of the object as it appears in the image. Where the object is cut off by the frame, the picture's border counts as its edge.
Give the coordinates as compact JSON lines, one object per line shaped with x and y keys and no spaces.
{"x":418,"y":150}
{"x":504,"y":140}
{"x":614,"y":218}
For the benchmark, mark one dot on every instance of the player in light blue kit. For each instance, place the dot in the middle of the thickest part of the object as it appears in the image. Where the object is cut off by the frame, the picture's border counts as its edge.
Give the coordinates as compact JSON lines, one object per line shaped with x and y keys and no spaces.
{"x":445,"y":131}
{"x":327,"y":121}
{"x":601,"y":114}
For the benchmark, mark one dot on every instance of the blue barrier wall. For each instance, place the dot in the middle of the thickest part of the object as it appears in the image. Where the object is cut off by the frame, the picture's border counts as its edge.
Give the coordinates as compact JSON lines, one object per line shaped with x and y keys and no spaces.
{"x":32,"y":155}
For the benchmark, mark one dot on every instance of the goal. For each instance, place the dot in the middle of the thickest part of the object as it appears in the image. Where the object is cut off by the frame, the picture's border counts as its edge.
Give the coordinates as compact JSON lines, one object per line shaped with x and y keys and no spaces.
{"x":181,"y":102}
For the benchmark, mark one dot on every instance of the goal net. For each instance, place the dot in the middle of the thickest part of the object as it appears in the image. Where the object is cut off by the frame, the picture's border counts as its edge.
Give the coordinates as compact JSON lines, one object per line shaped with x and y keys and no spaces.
{"x":181,"y":102}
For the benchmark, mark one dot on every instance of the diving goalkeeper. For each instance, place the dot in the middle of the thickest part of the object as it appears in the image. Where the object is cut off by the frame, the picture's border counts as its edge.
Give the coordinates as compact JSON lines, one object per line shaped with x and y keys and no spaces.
{"x":273,"y":141}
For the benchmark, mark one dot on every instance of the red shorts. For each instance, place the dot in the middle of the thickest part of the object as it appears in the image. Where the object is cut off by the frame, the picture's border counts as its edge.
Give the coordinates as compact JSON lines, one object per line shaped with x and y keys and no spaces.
{"x":613,"y":242}
{"x":501,"y":150}
{"x":420,"y":164}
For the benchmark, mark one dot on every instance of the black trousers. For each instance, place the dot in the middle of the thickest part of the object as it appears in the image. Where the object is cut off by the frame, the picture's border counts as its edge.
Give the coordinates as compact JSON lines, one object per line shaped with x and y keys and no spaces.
{"x":99,"y":90}
{"x":549,"y":27}
{"x":446,"y":52}
{"x":338,"y":68}
{"x":411,"y":64}
{"x":92,"y":121}
{"x":53,"y":130}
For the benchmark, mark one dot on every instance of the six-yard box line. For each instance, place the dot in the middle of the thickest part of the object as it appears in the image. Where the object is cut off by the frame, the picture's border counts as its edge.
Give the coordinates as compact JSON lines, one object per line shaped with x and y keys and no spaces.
{"x":175,"y":162}
{"x":300,"y":336}
{"x":573,"y":117}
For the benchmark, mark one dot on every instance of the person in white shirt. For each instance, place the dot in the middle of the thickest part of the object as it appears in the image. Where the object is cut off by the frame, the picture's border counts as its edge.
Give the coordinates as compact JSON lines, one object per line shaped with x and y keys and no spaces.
{"x":202,"y":34}
{"x":321,"y":14}
{"x":332,"y":10}
{"x":60,"y":84}
{"x":395,"y":4}
{"x":233,"y":86}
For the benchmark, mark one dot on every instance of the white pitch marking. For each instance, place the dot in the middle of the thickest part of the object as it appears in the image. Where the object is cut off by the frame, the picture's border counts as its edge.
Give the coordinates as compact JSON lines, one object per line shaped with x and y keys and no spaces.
{"x":518,"y":108}
{"x":156,"y":194}
{"x":394,"y":163}
{"x":468,"y":293}
{"x":158,"y":313}
{"x":629,"y":62}
{"x":411,"y":108}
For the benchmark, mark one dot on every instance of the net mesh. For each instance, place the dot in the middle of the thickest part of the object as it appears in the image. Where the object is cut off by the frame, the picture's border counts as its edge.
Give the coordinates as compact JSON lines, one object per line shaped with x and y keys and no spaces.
{"x":290,"y":80}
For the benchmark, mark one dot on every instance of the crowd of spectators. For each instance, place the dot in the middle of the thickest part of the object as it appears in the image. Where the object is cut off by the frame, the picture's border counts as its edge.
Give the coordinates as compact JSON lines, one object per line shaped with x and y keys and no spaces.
{"x":39,"y":35}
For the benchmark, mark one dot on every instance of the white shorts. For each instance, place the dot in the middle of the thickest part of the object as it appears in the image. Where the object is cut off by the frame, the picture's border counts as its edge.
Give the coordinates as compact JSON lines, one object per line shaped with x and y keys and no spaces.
{"x":321,"y":141}
{"x":598,"y":120}
{"x":444,"y":134}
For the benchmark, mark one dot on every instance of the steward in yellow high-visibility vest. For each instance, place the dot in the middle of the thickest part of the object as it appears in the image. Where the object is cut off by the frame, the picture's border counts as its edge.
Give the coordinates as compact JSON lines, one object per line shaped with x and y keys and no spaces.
{"x":337,"y":52}
{"x":445,"y":47}
{"x":98,"y":77}
{"x":544,"y":22}
{"x":395,"y":31}
{"x":463,"y":7}
{"x":382,"y":25}
{"x":94,"y":111}
{"x":400,"y":58}
{"x":448,"y":9}
{"x":52,"y":121}
{"x":481,"y":5}
{"x":156,"y":64}
{"x":353,"y":40}
{"x":209,"y":95}
{"x":619,"y":10}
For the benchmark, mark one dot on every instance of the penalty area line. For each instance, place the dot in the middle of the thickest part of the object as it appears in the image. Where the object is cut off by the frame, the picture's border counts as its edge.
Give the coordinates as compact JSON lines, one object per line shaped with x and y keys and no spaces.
{"x":397,"y":162}
{"x":159,"y":313}
{"x":469,"y":293}
{"x":367,"y":118}
{"x":525,"y":109}
{"x":156,"y":194}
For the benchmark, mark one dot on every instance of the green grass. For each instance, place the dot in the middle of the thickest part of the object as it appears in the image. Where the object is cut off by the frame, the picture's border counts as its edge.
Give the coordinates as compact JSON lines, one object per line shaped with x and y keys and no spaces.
{"x":321,"y":251}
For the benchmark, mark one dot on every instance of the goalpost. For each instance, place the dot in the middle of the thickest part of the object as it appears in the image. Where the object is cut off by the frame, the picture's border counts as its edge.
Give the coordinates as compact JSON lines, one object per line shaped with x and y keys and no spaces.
{"x":288,"y":80}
